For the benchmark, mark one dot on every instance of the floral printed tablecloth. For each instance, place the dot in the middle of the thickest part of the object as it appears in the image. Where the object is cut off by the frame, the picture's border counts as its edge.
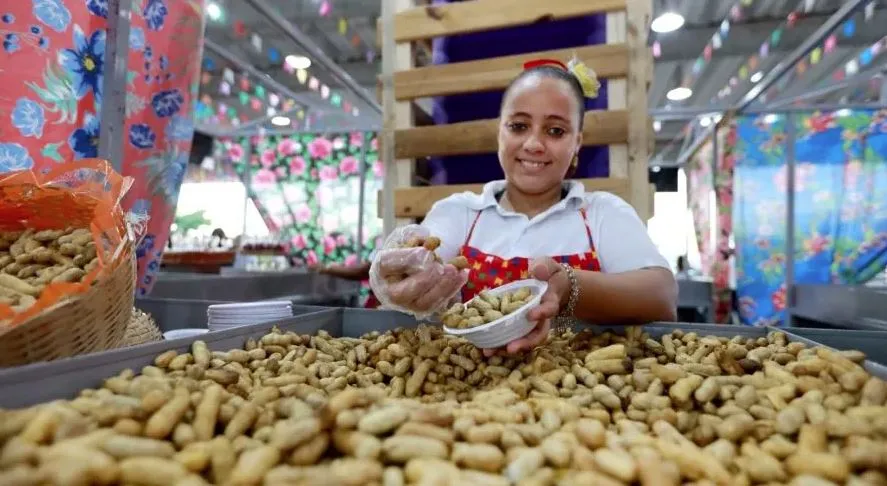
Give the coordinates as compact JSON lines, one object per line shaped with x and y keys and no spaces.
{"x":53,"y":66}
{"x":307,"y":189}
{"x":840,"y":205}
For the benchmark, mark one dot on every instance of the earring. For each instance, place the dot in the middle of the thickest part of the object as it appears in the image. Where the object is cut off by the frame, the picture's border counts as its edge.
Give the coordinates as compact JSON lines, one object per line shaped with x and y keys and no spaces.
{"x":575,"y":162}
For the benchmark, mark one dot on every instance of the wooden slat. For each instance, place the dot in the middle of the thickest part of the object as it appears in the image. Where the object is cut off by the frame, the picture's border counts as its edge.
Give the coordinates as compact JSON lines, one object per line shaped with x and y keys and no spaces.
{"x":415,"y":202}
{"x":479,"y":137}
{"x":481,"y":15}
{"x":639,"y":14}
{"x":608,"y":61}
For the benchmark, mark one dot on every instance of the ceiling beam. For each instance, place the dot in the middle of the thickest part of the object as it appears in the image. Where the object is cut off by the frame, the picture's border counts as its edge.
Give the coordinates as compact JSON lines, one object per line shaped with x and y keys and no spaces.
{"x":746,"y":38}
{"x":257,"y":75}
{"x":847,"y":9}
{"x":317,"y":54}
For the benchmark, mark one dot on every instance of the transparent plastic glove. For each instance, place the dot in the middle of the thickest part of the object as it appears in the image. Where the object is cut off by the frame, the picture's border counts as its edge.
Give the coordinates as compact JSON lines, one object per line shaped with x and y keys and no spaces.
{"x":409,"y":280}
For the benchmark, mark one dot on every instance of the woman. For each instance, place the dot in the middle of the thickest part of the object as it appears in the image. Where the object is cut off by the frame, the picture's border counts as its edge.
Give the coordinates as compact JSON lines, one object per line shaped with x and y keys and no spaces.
{"x":591,"y":248}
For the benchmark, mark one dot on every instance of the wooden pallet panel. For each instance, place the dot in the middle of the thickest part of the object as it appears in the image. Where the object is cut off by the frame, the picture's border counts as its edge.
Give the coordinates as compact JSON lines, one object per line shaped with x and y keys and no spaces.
{"x":480,"y":15}
{"x":639,"y":14}
{"x":608,"y":61}
{"x":479,"y":137}
{"x":415,"y":202}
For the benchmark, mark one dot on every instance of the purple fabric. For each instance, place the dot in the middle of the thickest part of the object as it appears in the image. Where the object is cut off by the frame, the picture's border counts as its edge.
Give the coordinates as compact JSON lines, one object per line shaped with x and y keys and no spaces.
{"x":469,"y":169}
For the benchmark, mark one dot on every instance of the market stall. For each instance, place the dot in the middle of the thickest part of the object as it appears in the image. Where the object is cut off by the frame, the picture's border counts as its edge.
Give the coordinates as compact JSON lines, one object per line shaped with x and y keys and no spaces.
{"x":624,"y":59}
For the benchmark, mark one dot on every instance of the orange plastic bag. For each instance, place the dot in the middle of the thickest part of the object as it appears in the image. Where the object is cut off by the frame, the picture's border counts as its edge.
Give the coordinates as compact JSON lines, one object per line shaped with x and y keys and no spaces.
{"x":86,"y":193}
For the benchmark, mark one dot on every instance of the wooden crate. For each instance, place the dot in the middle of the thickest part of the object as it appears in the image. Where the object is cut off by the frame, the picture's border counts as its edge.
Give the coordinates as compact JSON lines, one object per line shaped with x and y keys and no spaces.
{"x":625,"y":61}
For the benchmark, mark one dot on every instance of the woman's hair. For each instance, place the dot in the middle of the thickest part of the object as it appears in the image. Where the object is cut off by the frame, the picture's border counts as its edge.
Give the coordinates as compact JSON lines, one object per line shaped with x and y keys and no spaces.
{"x":682,"y":263}
{"x":554,"y":71}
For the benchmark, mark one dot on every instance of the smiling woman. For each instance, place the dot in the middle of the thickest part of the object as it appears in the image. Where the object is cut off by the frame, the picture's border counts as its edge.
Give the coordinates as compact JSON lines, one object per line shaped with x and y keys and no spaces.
{"x":591,"y":247}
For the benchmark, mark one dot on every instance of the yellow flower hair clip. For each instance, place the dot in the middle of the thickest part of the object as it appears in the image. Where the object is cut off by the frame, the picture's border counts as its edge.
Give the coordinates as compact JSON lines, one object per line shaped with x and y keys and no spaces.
{"x":586,"y":76}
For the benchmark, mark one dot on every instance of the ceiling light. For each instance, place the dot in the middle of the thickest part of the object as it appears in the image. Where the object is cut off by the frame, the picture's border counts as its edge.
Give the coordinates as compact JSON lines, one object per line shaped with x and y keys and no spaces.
{"x":656,"y":168}
{"x":280,"y":121}
{"x":843,"y":112}
{"x":667,"y":22}
{"x":757,"y":77}
{"x":214,"y":11}
{"x":298,"y":62}
{"x":705,"y":121}
{"x":657,"y":125}
{"x":771,"y":118}
{"x":679,"y":94}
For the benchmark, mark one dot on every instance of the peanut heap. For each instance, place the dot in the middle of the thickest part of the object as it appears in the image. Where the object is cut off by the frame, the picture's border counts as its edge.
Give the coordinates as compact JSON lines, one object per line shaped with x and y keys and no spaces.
{"x":419,"y":407}
{"x":431,"y":244}
{"x":29,"y":261}
{"x":485,"y":308}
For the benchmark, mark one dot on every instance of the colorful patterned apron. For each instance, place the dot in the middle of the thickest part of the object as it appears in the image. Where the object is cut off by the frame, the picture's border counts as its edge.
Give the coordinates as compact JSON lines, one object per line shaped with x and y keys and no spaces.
{"x":490,"y":271}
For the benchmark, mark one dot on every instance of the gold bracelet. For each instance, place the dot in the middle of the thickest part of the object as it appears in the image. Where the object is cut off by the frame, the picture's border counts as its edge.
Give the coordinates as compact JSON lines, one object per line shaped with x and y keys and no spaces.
{"x":565,"y":318}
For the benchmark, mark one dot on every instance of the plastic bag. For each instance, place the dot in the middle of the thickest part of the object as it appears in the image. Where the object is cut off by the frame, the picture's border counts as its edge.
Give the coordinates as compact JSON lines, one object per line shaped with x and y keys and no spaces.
{"x":428,"y":285}
{"x":85,"y":194}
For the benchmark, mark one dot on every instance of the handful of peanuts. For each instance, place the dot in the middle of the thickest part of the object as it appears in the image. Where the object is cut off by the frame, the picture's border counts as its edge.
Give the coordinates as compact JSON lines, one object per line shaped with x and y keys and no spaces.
{"x":418,"y":407}
{"x":31,"y":260}
{"x":431,"y":244}
{"x":485,"y":308}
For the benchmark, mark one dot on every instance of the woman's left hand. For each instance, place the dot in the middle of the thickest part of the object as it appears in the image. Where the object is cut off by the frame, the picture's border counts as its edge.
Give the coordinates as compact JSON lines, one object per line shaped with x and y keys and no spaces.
{"x":547,"y":270}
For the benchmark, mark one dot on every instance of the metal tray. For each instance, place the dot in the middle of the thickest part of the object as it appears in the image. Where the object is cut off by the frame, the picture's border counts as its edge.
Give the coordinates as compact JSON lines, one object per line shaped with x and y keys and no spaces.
{"x":246,"y":287}
{"x":28,"y":385}
{"x":872,"y":343}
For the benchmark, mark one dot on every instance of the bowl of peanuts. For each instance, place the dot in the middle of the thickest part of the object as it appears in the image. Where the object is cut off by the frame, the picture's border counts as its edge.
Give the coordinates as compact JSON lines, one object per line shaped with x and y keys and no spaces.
{"x":496,"y":316}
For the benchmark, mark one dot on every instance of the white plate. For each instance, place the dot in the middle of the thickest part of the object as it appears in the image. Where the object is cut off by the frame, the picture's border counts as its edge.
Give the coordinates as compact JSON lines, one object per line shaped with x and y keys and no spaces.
{"x":282,"y":312}
{"x":252,"y":305}
{"x":507,"y":328}
{"x":184,"y":333}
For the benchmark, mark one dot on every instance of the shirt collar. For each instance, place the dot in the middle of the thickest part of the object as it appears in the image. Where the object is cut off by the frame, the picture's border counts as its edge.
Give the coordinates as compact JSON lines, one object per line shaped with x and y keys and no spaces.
{"x":575,"y":191}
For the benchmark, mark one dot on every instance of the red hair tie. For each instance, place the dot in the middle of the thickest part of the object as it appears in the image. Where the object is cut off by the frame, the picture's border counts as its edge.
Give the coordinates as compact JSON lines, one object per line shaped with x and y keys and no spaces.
{"x":544,"y":62}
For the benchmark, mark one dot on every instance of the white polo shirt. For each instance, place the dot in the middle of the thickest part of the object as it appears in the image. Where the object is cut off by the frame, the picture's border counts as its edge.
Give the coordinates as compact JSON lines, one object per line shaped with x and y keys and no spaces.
{"x":619,"y":236}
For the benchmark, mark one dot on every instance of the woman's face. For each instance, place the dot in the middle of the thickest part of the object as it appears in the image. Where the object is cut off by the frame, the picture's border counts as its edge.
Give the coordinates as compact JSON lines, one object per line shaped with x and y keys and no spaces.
{"x":538,"y":133}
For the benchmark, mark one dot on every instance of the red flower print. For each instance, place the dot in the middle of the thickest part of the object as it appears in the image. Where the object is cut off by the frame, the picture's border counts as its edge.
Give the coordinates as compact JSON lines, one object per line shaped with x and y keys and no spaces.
{"x":298,"y":242}
{"x":320,"y":148}
{"x":328,"y":173}
{"x":778,"y":298}
{"x":348,"y":165}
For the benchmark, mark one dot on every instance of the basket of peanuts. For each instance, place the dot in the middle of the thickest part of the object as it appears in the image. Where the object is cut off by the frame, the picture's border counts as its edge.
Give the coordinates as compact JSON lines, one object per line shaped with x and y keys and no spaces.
{"x":67,"y":262}
{"x":496,"y":316}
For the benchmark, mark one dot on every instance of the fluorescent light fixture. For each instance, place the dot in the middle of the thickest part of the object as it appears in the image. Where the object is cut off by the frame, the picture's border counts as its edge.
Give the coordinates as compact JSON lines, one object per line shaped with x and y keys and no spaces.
{"x":298,"y":62}
{"x":679,"y":94}
{"x":843,"y":112}
{"x":657,"y":125}
{"x":757,"y":77}
{"x":214,"y":11}
{"x":771,"y":118}
{"x":667,"y":22}
{"x":280,"y":121}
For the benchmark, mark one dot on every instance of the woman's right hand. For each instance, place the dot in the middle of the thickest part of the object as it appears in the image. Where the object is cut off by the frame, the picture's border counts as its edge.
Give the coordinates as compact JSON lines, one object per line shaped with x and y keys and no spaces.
{"x":411,"y":279}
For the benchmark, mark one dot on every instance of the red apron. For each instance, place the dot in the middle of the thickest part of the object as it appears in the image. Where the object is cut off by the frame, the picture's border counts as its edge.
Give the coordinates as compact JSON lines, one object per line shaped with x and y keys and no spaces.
{"x":490,"y":271}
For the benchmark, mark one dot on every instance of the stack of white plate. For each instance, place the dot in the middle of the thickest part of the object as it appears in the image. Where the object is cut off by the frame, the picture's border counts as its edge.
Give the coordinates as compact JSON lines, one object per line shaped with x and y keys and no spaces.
{"x":226,"y":316}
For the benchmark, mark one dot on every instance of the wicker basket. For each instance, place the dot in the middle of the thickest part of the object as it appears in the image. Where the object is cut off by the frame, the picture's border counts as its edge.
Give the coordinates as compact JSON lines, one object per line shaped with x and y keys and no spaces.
{"x":93,"y":321}
{"x":141,"y":329}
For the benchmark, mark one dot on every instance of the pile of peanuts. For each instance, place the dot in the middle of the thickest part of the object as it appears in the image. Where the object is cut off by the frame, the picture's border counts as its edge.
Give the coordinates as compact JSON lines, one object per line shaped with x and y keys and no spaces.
{"x":485,"y":308}
{"x":422,"y":408}
{"x":31,"y":260}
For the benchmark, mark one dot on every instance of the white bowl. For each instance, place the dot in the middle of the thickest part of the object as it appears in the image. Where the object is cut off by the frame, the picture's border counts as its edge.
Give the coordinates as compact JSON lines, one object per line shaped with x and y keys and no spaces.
{"x":184,"y":333}
{"x":507,"y":328}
